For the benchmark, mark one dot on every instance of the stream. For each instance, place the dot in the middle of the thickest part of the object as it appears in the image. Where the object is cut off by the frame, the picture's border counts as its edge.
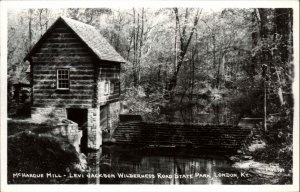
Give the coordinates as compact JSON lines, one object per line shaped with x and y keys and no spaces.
{"x":119,"y":165}
{"x":128,"y":165}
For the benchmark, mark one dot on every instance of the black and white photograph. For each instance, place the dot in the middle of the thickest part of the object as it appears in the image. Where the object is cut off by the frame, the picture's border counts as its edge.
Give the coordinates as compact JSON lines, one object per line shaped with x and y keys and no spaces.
{"x":161,"y":95}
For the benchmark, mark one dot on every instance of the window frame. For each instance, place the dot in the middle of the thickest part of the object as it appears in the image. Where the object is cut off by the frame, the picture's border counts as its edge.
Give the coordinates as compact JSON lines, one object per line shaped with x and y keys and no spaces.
{"x":107,"y":92}
{"x":57,"y":79}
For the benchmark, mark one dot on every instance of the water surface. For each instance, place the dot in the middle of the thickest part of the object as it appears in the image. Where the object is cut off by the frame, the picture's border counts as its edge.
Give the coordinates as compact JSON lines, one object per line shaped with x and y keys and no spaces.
{"x":136,"y":166}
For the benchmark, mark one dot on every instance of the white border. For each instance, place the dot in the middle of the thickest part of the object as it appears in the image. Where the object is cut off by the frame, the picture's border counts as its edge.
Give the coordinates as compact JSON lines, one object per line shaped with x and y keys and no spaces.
{"x":5,"y":5}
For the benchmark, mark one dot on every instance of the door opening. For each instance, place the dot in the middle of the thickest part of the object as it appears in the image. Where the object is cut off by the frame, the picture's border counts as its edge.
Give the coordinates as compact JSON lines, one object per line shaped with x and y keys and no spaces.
{"x":79,"y":116}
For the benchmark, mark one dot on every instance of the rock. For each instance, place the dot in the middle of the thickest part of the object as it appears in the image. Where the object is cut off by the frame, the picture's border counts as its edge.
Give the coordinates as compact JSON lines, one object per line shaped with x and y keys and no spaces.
{"x":234,"y":158}
{"x":256,"y":146}
{"x":258,"y":168}
{"x":247,"y":157}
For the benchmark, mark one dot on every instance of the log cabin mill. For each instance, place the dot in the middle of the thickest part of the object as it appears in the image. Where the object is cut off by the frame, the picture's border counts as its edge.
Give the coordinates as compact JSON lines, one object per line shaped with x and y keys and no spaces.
{"x":75,"y":74}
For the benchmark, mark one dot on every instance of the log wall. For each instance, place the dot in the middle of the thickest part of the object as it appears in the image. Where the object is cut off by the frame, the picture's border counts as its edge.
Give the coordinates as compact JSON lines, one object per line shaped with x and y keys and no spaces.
{"x":108,"y":71}
{"x":63,"y":49}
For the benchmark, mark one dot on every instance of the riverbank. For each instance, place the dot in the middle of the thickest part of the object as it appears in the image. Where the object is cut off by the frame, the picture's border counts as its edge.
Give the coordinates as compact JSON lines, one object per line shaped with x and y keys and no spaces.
{"x":42,"y":159}
{"x":261,"y":171}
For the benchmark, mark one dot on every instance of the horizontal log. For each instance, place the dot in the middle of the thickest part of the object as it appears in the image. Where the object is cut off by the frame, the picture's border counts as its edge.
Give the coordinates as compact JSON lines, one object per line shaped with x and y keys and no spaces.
{"x":89,"y":91}
{"x":48,"y":81}
{"x":73,"y":71}
{"x":62,"y":40}
{"x":72,"y":66}
{"x":73,"y":76}
{"x":62,"y":101}
{"x":72,"y":87}
{"x":62,"y":96}
{"x":108,"y":69}
{"x":111,"y":74}
{"x":62,"y":49}
{"x":62,"y":35}
{"x":63,"y":45}
{"x":83,"y":106}
{"x":61,"y":29}
{"x":114,"y":96}
{"x":111,"y":79}
{"x":61,"y":54}
{"x":58,"y":59}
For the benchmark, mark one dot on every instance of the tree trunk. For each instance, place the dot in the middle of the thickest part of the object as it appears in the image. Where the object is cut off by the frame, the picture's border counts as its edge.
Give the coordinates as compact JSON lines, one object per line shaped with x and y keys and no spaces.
{"x":184,"y":44}
{"x":30,"y":29}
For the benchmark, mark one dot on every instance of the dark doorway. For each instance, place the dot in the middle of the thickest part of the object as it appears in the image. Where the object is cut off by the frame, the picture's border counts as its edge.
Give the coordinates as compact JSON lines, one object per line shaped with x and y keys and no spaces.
{"x":79,"y":116}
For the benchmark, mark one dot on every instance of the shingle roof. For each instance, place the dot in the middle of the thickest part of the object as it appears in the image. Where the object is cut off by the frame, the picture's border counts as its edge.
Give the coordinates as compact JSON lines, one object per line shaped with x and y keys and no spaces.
{"x":92,"y":38}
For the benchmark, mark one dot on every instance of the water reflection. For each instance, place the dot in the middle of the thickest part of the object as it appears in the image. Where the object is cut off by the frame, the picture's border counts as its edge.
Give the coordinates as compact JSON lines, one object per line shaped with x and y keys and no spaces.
{"x":115,"y":165}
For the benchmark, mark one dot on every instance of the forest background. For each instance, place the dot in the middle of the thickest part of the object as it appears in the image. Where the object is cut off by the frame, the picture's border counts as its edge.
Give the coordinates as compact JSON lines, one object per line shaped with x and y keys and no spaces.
{"x":176,"y":55}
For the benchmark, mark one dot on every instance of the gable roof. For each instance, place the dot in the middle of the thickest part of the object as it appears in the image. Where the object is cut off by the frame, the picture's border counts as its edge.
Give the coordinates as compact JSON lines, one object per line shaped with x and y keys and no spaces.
{"x":90,"y":36}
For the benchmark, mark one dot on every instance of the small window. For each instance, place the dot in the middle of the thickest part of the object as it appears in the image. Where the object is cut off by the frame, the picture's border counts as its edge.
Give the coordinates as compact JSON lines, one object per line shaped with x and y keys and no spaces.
{"x":107,"y":88}
{"x":63,"y":79}
{"x":112,"y":88}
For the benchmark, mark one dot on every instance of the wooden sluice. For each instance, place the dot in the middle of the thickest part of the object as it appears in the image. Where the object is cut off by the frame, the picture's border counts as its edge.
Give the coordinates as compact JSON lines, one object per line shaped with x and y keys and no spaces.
{"x":197,"y":136}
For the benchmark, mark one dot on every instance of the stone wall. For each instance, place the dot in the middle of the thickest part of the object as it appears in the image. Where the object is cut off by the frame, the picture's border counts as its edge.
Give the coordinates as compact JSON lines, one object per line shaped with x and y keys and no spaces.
{"x":94,"y":136}
{"x":68,"y":129}
{"x":93,"y":129}
{"x":94,"y":167}
{"x":39,"y":114}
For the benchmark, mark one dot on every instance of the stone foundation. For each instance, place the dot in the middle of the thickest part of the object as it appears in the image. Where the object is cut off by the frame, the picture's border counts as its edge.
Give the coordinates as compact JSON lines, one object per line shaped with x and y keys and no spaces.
{"x":68,"y":129}
{"x":39,"y":114}
{"x":94,"y":166}
{"x":94,"y":139}
{"x":94,"y":133}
